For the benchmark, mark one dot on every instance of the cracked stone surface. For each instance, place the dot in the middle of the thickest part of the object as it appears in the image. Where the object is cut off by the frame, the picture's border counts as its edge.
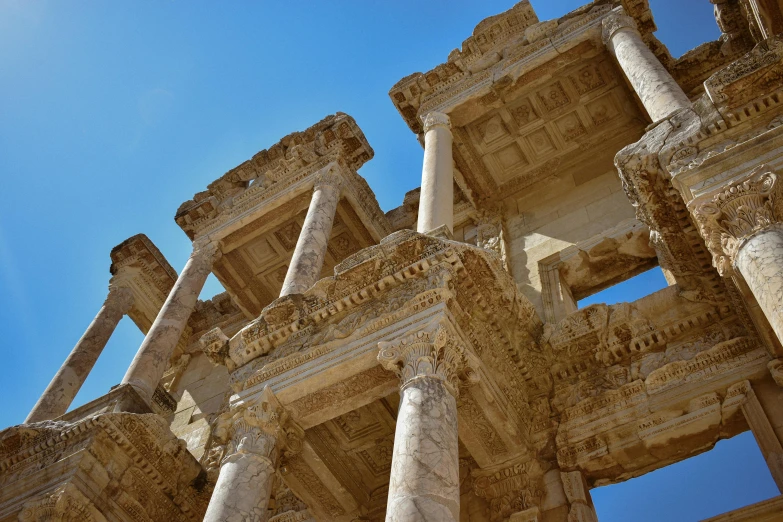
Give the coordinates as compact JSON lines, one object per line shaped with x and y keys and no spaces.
{"x":242,"y":491}
{"x":308,"y":258}
{"x":659,"y":92}
{"x":74,"y":371}
{"x":760,"y":261}
{"x":150,"y":361}
{"x":424,"y":482}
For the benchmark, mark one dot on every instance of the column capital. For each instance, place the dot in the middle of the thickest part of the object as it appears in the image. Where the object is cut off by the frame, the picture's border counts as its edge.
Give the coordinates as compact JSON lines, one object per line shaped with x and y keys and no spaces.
{"x":207,"y":250}
{"x":261,"y":427}
{"x":120,"y":299}
{"x":435,"y":119}
{"x":615,"y":22}
{"x":735,"y":213}
{"x":328,"y":177}
{"x":775,"y":367}
{"x":434,"y":353}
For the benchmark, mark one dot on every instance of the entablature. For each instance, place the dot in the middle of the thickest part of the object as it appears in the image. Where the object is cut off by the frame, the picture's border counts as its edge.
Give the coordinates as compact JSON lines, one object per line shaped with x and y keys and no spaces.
{"x":280,"y":173}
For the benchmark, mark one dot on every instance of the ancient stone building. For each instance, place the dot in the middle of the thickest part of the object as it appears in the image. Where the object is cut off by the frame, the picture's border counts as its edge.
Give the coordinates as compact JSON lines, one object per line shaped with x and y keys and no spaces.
{"x":431,"y":362}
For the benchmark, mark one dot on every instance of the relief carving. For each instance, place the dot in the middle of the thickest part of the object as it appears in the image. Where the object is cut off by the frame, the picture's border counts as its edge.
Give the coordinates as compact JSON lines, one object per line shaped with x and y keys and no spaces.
{"x":736,"y":212}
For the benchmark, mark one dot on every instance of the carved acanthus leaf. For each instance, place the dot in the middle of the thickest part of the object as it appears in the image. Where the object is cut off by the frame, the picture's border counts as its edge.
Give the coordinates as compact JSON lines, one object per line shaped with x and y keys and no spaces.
{"x":428,"y":353}
{"x":736,"y":212}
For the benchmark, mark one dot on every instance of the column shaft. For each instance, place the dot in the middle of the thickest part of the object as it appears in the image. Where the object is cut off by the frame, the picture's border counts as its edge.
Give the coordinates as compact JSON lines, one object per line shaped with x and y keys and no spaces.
{"x":424,"y":481}
{"x":242,"y":490}
{"x":256,"y":433}
{"x":659,"y":92}
{"x":69,"y":378}
{"x":760,"y":261}
{"x":150,"y":361}
{"x":308,"y":258}
{"x":765,"y":418}
{"x":436,"y":202}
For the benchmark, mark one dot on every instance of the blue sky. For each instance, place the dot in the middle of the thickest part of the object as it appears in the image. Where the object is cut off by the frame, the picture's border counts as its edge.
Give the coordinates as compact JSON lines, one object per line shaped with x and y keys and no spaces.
{"x":114,"y":113}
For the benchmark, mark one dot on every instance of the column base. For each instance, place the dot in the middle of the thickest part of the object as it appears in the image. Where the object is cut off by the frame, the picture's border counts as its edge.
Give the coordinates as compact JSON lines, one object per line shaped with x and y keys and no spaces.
{"x":442,"y":232}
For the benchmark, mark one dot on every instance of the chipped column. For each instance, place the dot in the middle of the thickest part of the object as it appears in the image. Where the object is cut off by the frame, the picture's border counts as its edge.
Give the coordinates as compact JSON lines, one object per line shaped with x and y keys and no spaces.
{"x":659,"y":92}
{"x":741,"y":225}
{"x":436,"y":202}
{"x":424,"y":481}
{"x":150,"y":361}
{"x":310,"y":251}
{"x":254,"y":433}
{"x":69,"y":378}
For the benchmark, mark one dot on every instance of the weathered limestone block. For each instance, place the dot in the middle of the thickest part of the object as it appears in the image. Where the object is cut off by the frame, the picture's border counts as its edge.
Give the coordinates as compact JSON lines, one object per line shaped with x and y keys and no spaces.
{"x":114,"y":466}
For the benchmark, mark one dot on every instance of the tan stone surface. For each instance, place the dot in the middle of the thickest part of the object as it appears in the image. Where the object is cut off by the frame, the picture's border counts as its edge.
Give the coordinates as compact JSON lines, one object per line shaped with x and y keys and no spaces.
{"x":450,"y":374}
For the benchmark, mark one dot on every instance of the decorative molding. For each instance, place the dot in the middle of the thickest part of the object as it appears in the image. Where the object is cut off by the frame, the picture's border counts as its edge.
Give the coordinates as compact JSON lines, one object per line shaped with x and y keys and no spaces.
{"x":617,"y":21}
{"x":260,"y":426}
{"x":436,"y":353}
{"x":435,"y":119}
{"x":737,"y":212}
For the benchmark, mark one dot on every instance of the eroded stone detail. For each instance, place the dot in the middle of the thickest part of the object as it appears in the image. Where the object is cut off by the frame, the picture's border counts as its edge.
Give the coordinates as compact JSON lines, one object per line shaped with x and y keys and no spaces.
{"x":255,"y":434}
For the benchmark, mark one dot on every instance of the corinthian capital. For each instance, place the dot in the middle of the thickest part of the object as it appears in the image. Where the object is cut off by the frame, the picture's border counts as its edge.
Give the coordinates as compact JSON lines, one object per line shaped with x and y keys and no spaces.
{"x":435,"y":353}
{"x":328,"y":177}
{"x":435,"y":119}
{"x":260,"y":427}
{"x":737,"y":212}
{"x":207,"y":251}
{"x":617,"y":21}
{"x":120,"y":299}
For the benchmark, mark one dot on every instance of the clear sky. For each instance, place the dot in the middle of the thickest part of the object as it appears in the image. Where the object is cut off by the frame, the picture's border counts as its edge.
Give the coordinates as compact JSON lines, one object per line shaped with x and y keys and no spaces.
{"x":114,"y":113}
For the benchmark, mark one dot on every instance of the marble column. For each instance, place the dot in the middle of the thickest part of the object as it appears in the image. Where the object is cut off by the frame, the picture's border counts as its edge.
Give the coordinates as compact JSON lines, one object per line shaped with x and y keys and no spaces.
{"x":308,"y":258}
{"x":741,"y":225}
{"x":424,"y":480}
{"x":659,"y":92}
{"x":760,"y":261}
{"x":761,"y":408}
{"x":255,"y":434}
{"x":436,"y":202}
{"x":69,"y":378}
{"x":158,"y":346}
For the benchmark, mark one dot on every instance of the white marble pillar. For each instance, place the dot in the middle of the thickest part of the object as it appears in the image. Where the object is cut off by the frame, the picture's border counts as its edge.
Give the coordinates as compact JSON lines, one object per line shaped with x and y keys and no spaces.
{"x":158,"y":346}
{"x":74,"y":371}
{"x":436,"y":202}
{"x":308,"y":258}
{"x":741,"y":225}
{"x":659,"y":92}
{"x":244,"y":484}
{"x":424,"y":480}
{"x":760,"y":261}
{"x":255,"y":432}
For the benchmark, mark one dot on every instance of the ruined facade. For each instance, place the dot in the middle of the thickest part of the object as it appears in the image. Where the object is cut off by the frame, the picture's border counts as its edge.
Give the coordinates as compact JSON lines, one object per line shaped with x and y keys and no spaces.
{"x":431,"y":362}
